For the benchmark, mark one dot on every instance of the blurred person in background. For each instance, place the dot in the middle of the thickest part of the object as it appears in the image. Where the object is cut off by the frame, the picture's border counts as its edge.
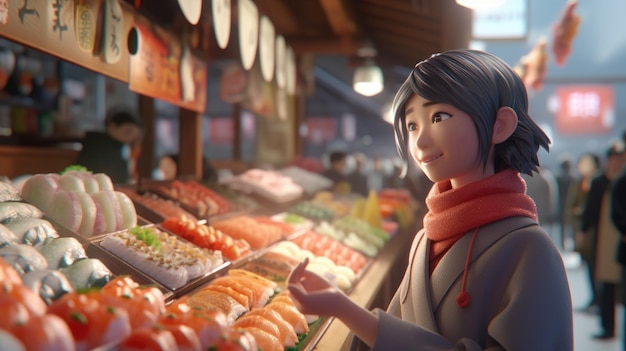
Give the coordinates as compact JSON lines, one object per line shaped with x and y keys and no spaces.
{"x":358,"y":177}
{"x":564,"y":179}
{"x":588,"y":166}
{"x":110,"y":151}
{"x":596,"y":225}
{"x":337,"y":171}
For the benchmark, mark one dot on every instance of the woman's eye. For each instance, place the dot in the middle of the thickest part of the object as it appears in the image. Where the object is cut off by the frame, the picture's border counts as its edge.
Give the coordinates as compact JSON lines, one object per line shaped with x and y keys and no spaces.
{"x":440,"y":117}
{"x":411,"y":127}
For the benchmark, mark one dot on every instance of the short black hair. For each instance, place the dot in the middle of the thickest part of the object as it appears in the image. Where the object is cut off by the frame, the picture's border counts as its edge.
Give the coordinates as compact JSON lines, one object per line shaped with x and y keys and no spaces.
{"x":122,"y":117}
{"x":337,"y":156}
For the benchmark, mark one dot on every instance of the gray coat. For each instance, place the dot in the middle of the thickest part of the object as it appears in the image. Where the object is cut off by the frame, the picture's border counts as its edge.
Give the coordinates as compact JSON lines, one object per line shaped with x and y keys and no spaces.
{"x":520,"y":297}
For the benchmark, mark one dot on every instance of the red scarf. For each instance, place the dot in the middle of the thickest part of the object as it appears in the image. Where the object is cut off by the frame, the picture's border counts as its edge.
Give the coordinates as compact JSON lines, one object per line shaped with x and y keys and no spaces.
{"x":454,"y":212}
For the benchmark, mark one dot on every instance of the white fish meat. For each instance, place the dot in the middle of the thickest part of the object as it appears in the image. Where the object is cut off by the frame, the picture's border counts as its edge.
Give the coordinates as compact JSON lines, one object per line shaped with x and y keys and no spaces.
{"x":32,"y":231}
{"x":24,"y":258}
{"x":10,"y":211}
{"x":61,"y":252}
{"x":8,"y":192}
{"x":50,"y":284}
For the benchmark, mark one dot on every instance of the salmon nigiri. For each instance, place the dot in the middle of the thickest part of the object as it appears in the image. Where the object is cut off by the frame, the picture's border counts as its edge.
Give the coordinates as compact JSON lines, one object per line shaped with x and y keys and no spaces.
{"x":265,"y":340}
{"x":291,"y":314}
{"x":287,"y":335}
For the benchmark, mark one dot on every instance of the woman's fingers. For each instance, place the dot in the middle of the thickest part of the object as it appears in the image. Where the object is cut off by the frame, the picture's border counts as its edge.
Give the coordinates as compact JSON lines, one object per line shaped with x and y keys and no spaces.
{"x":296,"y":273}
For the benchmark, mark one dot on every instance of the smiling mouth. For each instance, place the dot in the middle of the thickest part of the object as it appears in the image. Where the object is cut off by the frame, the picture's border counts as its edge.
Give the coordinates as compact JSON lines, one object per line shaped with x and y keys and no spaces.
{"x":429,"y":159}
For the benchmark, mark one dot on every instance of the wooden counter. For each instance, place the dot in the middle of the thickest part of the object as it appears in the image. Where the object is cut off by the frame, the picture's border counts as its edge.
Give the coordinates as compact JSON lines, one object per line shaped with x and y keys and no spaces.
{"x":374,"y":289}
{"x":20,"y":160}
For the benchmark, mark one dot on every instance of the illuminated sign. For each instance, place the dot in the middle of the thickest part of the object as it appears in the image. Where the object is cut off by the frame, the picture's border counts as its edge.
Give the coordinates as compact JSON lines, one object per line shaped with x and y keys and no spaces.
{"x":585,"y":109}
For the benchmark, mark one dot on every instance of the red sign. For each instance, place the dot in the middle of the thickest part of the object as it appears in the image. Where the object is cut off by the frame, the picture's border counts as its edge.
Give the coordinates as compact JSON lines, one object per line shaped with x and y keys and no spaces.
{"x":221,"y":131}
{"x":585,"y":109}
{"x":321,"y":129}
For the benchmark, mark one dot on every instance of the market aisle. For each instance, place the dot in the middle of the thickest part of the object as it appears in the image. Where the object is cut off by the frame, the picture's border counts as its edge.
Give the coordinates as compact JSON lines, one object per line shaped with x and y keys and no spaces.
{"x":585,"y":325}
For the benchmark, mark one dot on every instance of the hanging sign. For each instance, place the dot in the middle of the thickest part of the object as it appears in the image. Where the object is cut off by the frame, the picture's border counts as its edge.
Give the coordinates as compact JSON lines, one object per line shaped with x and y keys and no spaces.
{"x":192,"y":9}
{"x":585,"y":109}
{"x":221,"y":21}
{"x":248,"y":32}
{"x":267,"y":48}
{"x":160,"y":68}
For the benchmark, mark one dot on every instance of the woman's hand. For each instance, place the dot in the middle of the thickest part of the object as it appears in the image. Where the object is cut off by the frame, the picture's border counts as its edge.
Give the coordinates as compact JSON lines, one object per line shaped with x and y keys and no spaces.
{"x":313,"y":294}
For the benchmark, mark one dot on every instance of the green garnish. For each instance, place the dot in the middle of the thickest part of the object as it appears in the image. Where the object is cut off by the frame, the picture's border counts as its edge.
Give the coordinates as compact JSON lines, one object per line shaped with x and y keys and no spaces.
{"x":77,"y":168}
{"x":79,"y":317}
{"x":146,"y":236}
{"x":111,"y":309}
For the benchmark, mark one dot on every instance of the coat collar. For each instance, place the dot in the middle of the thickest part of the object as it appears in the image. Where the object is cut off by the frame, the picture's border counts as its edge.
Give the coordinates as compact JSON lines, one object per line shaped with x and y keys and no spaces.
{"x":428,"y":293}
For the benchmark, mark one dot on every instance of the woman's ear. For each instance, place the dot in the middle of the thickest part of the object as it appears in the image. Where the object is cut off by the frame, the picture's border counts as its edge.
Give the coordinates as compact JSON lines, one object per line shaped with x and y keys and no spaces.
{"x":505,"y":125}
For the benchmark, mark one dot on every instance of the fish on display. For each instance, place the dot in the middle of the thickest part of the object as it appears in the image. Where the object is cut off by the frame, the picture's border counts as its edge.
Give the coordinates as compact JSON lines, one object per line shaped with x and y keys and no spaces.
{"x":32,"y":231}
{"x":11,"y":211}
{"x":50,"y":284}
{"x":24,"y":258}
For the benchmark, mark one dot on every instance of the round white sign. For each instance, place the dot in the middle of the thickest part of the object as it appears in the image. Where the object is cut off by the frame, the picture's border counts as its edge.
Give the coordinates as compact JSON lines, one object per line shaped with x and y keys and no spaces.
{"x":192,"y":9}
{"x":248,"y":32}
{"x":221,"y":22}
{"x":281,"y":70}
{"x":290,"y":68}
{"x":267,"y":48}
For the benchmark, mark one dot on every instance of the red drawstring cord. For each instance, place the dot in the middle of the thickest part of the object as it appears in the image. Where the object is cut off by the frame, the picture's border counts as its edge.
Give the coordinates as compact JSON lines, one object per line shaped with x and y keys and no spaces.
{"x":463,"y":297}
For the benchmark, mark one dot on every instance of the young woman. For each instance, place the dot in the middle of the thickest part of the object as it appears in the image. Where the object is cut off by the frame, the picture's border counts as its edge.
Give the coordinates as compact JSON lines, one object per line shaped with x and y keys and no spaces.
{"x":482,"y":274}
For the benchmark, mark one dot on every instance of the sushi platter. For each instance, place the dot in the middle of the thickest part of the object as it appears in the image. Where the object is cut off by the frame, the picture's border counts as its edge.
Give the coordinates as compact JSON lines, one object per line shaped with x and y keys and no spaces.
{"x":229,"y":261}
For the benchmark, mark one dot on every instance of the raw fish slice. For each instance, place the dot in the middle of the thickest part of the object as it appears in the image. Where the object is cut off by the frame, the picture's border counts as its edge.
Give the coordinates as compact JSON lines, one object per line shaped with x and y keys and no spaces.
{"x":71,"y":181}
{"x":238,"y":287}
{"x":7,"y":237}
{"x":290,"y":314}
{"x":288,"y":335}
{"x":104,"y":181}
{"x":109,"y":206}
{"x":38,"y":190}
{"x":89,"y":181}
{"x":241,"y":298}
{"x":217,"y":301}
{"x":61,"y":252}
{"x":87,"y":273}
{"x":8,"y":192}
{"x":247,"y":321}
{"x":49,"y":283}
{"x":32,"y":231}
{"x":66,"y":209}
{"x":128,"y":211}
{"x":261,"y":294}
{"x":264,"y":340}
{"x":24,"y":258}
{"x":10,"y":211}
{"x":253,"y":276}
{"x":88,"y":213}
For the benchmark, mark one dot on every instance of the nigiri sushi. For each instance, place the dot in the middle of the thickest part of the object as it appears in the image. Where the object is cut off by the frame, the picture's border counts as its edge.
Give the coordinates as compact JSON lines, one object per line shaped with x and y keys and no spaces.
{"x":61,"y":252}
{"x":264,"y":340}
{"x":287,"y":335}
{"x":32,"y":231}
{"x":7,"y":237}
{"x":290,"y":314}
{"x":87,"y":272}
{"x":50,"y":284}
{"x":24,"y":258}
{"x":256,"y":321}
{"x":10,"y":211}
{"x":217,"y":301}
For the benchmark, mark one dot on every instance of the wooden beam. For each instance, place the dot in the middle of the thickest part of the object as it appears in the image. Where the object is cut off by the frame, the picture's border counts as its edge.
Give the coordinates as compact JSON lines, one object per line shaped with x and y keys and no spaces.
{"x":237,"y":131}
{"x":340,"y":18}
{"x":282,"y":18}
{"x":323,"y":45}
{"x":190,"y":143}
{"x":146,"y":159}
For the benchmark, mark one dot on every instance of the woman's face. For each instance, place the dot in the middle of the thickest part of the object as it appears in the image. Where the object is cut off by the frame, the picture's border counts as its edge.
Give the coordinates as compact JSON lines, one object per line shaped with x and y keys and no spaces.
{"x":443,"y":142}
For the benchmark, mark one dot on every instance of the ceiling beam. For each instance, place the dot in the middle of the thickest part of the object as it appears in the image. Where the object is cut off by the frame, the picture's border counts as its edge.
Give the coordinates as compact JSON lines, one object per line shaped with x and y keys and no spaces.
{"x":340,"y":17}
{"x":282,"y":17}
{"x":323,"y":46}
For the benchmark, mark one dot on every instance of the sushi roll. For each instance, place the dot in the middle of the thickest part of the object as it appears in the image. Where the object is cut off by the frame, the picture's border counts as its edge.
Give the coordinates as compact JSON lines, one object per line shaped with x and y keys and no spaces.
{"x":50,"y":284}
{"x":24,"y":258}
{"x":11,"y":211}
{"x":7,"y":237}
{"x":87,"y":273}
{"x":32,"y":231}
{"x":61,"y":252}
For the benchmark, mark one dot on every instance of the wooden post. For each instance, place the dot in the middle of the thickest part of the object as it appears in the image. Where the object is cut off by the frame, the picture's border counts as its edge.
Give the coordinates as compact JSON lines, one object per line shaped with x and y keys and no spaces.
{"x":190,"y":143}
{"x":237,"y":131}
{"x":146,"y":159}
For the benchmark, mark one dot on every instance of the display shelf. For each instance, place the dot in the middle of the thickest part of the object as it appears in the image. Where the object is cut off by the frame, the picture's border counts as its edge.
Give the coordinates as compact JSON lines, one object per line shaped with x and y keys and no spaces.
{"x":374,"y":289}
